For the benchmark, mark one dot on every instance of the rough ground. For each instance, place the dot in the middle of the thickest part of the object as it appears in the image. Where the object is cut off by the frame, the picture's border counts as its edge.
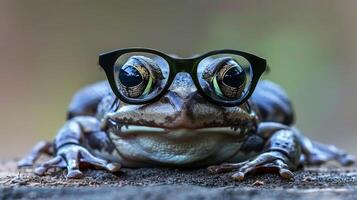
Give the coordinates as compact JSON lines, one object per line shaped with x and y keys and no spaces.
{"x":312,"y":183}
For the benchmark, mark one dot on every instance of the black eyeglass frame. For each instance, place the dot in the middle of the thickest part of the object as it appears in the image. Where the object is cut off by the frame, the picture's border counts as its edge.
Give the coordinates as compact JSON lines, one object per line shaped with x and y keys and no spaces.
{"x":189,"y":65}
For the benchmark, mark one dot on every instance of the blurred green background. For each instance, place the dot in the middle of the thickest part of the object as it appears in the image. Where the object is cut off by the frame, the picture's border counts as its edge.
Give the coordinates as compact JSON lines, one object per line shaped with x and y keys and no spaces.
{"x":49,"y":49}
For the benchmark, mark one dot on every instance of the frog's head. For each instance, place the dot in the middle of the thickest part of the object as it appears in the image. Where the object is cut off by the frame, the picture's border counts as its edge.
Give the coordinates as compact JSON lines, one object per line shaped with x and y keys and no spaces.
{"x":181,"y":107}
{"x":182,"y":114}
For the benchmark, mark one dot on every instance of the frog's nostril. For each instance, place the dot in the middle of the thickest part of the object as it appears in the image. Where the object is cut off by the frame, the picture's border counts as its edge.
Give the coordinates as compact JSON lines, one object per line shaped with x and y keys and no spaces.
{"x":173,"y":99}
{"x":165,"y":99}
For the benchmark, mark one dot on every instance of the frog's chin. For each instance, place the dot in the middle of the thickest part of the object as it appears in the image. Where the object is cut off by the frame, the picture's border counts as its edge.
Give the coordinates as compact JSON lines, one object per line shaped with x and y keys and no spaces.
{"x":180,"y":147}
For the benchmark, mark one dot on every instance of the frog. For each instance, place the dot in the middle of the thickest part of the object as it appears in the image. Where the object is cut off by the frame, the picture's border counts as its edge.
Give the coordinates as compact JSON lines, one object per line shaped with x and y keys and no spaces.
{"x":182,"y":129}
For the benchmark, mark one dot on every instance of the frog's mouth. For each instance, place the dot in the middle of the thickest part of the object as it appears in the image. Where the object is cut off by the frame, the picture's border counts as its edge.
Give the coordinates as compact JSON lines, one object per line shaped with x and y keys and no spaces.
{"x":179,"y":146}
{"x":236,"y":132}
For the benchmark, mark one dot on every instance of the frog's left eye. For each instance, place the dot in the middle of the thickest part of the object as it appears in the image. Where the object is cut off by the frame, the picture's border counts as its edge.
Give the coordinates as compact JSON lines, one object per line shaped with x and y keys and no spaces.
{"x":226,"y":78}
{"x":137,"y":76}
{"x":229,"y":81}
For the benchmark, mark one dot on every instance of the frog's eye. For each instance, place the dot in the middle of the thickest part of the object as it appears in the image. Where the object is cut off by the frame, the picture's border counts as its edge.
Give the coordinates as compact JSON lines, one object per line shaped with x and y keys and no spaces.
{"x":136,"y":79}
{"x":224,"y":77}
{"x":229,"y":81}
{"x":138,"y":76}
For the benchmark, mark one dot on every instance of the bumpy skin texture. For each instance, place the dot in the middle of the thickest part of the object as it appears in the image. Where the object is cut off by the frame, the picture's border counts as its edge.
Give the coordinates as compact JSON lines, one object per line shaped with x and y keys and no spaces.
{"x":182,"y":129}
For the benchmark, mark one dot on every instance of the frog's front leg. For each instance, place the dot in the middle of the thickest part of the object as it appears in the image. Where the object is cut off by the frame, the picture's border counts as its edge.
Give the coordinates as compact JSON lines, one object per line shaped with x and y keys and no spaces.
{"x":42,"y":147}
{"x":71,"y":148}
{"x":281,"y":154}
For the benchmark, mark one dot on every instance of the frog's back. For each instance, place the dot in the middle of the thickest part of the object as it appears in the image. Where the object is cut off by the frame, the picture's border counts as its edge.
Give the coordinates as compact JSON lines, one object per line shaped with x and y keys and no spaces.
{"x":92,"y":100}
{"x":273,"y":103}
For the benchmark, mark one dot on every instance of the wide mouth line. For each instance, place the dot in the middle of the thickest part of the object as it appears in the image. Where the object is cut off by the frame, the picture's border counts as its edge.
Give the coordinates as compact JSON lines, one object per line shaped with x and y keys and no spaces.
{"x":112,"y":123}
{"x":128,"y":128}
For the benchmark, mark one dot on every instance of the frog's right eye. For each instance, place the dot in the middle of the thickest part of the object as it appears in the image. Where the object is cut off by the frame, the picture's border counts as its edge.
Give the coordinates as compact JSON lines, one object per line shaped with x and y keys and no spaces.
{"x":138,"y":76}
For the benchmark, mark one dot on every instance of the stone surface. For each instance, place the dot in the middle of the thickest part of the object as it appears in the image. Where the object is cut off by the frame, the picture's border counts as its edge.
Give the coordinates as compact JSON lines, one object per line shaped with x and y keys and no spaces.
{"x":147,"y":183}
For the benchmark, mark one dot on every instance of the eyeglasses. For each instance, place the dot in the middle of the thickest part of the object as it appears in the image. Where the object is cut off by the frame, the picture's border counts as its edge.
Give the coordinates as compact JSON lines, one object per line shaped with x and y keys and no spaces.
{"x":140,"y":75}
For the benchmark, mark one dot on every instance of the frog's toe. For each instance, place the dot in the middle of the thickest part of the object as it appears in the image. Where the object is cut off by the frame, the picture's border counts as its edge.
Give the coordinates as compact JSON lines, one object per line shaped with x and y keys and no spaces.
{"x":225,"y":167}
{"x":268,"y":162}
{"x":42,"y":147}
{"x":25,"y":162}
{"x":90,"y":159}
{"x":74,"y":173}
{"x":74,"y":158}
{"x":56,"y":162}
{"x":78,"y":158}
{"x":286,"y":173}
{"x":266,"y":165}
{"x":278,"y":166}
{"x":347,"y":160}
{"x":113,"y":167}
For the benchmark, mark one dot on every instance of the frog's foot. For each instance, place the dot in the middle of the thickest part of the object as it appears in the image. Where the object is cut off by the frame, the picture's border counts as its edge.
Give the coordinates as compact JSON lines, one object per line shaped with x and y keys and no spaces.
{"x":318,"y":153}
{"x":268,"y":162}
{"x":75,"y":157}
{"x":42,"y":147}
